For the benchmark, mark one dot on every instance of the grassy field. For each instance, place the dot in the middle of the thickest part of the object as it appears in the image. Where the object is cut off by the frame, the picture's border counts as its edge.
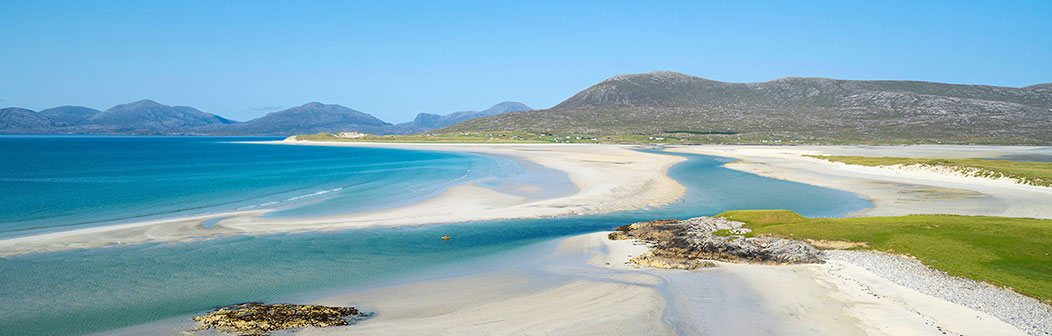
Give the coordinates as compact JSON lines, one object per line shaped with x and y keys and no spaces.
{"x":1033,"y":173}
{"x":525,"y":137}
{"x":1010,"y":252}
{"x":672,"y":137}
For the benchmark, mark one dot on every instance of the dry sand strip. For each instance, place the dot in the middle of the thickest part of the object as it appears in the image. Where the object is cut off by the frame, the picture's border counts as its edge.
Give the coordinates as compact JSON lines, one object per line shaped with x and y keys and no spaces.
{"x":896,"y":192}
{"x":585,"y":288}
{"x":608,"y":178}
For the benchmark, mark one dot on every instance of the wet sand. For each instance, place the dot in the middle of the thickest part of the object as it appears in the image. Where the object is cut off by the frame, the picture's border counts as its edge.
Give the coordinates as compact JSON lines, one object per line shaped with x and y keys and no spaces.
{"x":582,"y":286}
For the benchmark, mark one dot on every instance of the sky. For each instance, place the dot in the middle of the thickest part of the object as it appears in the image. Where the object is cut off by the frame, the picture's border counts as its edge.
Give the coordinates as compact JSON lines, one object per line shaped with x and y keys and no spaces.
{"x":394,"y":59}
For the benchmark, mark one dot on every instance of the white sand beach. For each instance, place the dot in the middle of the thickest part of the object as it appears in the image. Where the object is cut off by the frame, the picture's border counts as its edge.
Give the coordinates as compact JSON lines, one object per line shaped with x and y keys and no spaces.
{"x":583,"y":287}
{"x":897,"y":191}
{"x":607,"y":178}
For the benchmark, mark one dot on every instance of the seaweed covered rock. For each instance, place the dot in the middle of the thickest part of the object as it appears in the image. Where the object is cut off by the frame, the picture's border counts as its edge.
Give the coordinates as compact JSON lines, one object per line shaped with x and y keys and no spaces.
{"x":255,"y":318}
{"x":649,"y":260}
{"x":682,"y":244}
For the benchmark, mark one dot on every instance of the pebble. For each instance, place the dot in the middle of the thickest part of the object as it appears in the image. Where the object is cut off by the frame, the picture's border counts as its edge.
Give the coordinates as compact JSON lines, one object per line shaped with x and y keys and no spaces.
{"x":1026,"y":313}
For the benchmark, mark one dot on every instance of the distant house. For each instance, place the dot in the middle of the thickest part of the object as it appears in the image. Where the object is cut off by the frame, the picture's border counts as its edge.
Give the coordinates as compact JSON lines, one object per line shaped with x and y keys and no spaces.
{"x":351,"y":135}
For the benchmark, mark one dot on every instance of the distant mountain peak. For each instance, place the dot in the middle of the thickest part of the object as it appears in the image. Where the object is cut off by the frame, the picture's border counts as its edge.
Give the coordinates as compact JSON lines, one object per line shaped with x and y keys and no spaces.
{"x":20,"y":119}
{"x":653,"y":75}
{"x":505,"y":107}
{"x":801,"y":79}
{"x":312,"y":117}
{"x":1042,"y":86}
{"x":70,"y":115}
{"x":141,"y":102}
{"x":428,"y":121}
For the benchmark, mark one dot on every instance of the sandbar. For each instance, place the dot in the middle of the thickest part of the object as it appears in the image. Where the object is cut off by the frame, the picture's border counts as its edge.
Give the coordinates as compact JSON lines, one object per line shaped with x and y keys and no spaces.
{"x":607,"y":178}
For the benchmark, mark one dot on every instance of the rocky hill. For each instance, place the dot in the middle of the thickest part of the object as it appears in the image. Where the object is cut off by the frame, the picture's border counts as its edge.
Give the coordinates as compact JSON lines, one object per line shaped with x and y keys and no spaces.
{"x":311,"y":117}
{"x":427,"y":121}
{"x":149,"y":117}
{"x":141,"y":117}
{"x":811,"y":109}
{"x":70,"y":115}
{"x":20,"y":120}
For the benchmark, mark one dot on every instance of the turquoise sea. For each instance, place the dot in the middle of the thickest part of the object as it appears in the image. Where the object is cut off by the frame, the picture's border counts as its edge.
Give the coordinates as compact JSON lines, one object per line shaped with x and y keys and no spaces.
{"x":60,"y":182}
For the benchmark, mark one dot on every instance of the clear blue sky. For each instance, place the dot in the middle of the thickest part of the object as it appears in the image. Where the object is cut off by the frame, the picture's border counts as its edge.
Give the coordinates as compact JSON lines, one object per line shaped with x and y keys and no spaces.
{"x":395,"y":59}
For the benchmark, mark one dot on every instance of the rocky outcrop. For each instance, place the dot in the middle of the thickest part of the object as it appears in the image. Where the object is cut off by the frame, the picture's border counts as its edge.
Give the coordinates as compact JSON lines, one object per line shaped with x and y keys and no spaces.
{"x":255,"y":318}
{"x":649,"y":260}
{"x":685,"y":244}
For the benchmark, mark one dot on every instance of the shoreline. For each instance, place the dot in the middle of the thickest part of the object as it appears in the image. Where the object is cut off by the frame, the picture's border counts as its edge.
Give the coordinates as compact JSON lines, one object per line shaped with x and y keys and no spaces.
{"x":586,"y":286}
{"x":582,"y":284}
{"x":895,"y":192}
{"x":606,"y":178}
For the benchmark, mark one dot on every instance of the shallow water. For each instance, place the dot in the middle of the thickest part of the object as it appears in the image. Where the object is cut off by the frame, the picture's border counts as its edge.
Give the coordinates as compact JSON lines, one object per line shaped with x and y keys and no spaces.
{"x":1026,"y":157}
{"x":76,"y":292}
{"x":60,"y":182}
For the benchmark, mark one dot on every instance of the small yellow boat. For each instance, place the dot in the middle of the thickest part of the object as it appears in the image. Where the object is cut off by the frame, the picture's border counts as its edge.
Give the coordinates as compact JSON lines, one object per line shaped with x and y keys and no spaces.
{"x":446,"y":237}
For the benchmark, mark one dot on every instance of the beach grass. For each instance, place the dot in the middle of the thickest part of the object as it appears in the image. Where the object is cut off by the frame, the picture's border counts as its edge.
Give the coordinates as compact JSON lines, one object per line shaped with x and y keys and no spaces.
{"x":1032,"y":173}
{"x":1011,"y":252}
{"x":509,"y":137}
{"x":512,"y":137}
{"x":670,"y":137}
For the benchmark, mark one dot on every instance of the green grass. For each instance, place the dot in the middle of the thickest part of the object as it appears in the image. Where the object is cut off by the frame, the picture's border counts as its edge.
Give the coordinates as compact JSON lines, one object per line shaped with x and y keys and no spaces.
{"x":524,"y":137}
{"x":1010,"y":252}
{"x":505,"y":137}
{"x":1033,"y":173}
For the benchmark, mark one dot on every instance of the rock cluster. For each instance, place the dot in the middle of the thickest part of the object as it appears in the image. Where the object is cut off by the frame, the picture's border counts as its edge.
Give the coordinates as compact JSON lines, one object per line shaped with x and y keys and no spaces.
{"x":685,"y":244}
{"x":648,"y":260}
{"x":255,"y":318}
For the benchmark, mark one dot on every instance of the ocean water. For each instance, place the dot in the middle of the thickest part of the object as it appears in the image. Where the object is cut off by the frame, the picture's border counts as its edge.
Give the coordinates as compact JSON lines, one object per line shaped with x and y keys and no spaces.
{"x":62,"y":182}
{"x":85,"y":291}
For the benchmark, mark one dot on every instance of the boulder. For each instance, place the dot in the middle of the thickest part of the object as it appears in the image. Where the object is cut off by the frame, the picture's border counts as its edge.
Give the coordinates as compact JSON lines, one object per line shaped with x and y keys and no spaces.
{"x":255,"y":318}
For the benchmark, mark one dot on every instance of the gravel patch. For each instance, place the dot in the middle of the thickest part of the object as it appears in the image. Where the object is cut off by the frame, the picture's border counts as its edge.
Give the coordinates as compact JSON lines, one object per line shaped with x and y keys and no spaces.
{"x":1027,"y":314}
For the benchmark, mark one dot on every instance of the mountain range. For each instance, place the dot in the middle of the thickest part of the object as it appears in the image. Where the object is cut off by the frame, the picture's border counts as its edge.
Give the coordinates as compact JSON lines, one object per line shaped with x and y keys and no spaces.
{"x":813,"y":109}
{"x":150,"y":117}
{"x":786,"y":109}
{"x":426,"y":121}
